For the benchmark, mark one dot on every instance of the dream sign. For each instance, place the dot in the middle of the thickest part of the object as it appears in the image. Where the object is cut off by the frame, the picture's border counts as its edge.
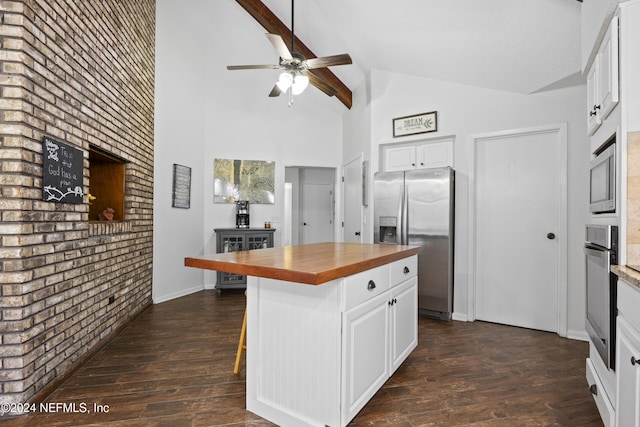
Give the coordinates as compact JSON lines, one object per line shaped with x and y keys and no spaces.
{"x":62,"y":172}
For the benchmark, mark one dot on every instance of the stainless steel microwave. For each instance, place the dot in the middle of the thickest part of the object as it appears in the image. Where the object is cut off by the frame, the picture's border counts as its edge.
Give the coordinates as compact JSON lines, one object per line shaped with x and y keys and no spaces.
{"x":603,"y":181}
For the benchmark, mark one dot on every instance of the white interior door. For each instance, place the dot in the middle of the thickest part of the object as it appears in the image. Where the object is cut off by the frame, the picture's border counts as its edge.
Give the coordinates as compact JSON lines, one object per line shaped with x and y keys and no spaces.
{"x":353,"y":201}
{"x":519,"y":231}
{"x":317,"y":213}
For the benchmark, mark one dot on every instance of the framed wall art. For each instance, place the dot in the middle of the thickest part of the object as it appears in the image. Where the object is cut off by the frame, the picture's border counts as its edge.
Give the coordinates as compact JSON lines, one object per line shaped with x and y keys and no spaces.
{"x":418,"y":123}
{"x":252,"y":180}
{"x":181,"y":193}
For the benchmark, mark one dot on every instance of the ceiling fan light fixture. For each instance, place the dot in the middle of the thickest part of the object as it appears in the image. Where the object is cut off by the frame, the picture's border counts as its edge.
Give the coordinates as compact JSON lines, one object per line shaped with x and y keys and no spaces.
{"x":284,"y":81}
{"x":300,"y":83}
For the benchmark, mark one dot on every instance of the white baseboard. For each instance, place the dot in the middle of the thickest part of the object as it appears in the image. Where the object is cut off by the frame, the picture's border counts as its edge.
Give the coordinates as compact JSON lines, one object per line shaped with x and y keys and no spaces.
{"x":578,"y":335}
{"x":183,"y":292}
{"x":459,"y":317}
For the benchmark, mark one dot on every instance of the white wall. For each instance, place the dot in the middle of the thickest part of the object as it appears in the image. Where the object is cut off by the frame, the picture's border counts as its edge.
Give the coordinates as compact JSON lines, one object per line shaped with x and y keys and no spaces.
{"x":357,"y":142}
{"x":464,"y":111}
{"x":204,"y":111}
{"x":179,"y":139}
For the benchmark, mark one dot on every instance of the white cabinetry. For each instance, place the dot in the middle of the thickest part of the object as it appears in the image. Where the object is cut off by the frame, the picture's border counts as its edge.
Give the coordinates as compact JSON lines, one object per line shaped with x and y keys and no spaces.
{"x":378,"y":335}
{"x":628,"y":356}
{"x":603,"y":80}
{"x":403,"y":324}
{"x":317,"y":354}
{"x":417,"y":156}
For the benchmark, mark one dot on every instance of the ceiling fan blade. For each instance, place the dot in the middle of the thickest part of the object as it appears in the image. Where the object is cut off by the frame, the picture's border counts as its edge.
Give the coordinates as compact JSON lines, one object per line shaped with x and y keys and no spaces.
{"x":328,"y":61}
{"x":275,"y":91}
{"x":321,"y":84}
{"x":253,"y":67}
{"x":280,"y":46}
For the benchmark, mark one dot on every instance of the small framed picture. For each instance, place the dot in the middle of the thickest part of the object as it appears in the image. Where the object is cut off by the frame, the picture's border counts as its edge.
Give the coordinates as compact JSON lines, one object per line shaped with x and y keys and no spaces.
{"x":417,"y":123}
{"x":181,"y":195}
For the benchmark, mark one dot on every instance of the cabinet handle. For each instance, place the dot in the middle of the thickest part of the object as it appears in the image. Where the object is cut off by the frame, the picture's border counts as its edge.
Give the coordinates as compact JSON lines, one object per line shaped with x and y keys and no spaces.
{"x":371,"y":285}
{"x":393,"y":301}
{"x":406,"y":270}
{"x":596,"y":107}
{"x":634,"y":361}
{"x":592,"y":113}
{"x":593,"y":389}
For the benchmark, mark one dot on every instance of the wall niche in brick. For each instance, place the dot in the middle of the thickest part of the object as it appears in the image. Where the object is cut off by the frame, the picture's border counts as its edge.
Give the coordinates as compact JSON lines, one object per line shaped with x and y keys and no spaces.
{"x":107,"y":184}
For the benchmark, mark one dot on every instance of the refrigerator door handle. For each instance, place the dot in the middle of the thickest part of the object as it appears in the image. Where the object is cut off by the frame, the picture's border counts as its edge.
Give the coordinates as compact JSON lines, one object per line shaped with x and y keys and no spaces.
{"x":400,"y":224}
{"x":405,"y":216}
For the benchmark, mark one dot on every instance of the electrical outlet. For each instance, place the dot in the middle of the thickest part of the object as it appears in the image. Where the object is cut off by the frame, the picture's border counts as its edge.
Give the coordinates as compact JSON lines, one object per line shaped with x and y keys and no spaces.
{"x":112,"y":299}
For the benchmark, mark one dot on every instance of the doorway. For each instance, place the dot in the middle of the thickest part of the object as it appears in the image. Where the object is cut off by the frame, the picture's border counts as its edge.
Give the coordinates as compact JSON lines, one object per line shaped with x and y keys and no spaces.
{"x":311,"y":218}
{"x":518,"y":228}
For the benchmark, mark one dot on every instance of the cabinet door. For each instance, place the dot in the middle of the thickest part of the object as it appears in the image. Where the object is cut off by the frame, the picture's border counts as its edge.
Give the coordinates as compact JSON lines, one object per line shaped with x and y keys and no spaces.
{"x":608,"y":71}
{"x":404,"y":321}
{"x":628,"y":375}
{"x":365,"y":359}
{"x":434,"y":155}
{"x":399,"y":158}
{"x":593,"y":118}
{"x":257,"y":241}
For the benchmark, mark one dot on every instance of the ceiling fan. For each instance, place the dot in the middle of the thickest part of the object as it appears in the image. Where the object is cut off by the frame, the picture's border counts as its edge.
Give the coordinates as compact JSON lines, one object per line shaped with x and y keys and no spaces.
{"x":296,"y":70}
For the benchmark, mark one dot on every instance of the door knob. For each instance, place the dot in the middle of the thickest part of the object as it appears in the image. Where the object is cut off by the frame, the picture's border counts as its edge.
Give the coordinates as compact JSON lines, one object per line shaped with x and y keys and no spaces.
{"x":551,"y":236}
{"x":304,"y":223}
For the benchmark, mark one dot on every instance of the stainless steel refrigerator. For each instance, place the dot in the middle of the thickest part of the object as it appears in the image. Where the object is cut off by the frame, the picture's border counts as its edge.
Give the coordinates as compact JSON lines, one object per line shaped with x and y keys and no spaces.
{"x":417,"y":208}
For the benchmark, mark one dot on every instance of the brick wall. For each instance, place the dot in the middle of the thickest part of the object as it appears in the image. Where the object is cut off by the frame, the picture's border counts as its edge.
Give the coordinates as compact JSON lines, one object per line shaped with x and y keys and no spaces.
{"x":81,"y":72}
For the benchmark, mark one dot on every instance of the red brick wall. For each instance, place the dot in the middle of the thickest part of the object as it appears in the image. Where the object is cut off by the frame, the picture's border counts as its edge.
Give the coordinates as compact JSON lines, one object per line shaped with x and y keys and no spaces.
{"x":81,"y":72}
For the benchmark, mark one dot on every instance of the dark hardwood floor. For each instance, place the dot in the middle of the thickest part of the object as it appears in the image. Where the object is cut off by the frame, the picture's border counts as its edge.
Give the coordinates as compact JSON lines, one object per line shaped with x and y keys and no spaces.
{"x":173,"y":366}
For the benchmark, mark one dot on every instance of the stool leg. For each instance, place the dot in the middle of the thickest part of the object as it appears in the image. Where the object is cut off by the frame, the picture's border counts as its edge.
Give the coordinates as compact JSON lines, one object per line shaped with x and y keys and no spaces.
{"x":241,"y":343}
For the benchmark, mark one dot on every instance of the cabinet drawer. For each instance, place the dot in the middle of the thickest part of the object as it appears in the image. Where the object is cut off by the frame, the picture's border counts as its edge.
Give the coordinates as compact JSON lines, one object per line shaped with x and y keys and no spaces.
{"x":403,"y":269}
{"x":602,"y":400}
{"x":360,"y":287}
{"x":628,"y":303}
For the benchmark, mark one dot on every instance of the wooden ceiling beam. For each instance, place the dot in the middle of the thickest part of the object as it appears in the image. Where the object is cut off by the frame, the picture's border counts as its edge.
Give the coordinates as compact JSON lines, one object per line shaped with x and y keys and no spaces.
{"x":265,"y":17}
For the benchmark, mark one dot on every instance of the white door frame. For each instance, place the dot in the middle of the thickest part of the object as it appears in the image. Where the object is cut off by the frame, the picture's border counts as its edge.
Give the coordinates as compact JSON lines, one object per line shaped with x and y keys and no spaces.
{"x":561,"y":130}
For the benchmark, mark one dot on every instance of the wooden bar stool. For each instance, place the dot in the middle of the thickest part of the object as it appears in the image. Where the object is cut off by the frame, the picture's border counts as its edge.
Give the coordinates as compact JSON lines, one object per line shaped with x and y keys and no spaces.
{"x":242,"y":343}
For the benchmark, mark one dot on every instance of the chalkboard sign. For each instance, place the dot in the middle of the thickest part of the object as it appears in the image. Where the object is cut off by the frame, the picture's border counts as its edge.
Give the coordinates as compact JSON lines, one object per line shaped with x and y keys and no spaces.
{"x":62,"y":172}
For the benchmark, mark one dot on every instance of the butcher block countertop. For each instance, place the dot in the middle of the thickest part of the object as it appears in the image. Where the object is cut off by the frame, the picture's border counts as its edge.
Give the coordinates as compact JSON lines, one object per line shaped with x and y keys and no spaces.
{"x":310,"y":264}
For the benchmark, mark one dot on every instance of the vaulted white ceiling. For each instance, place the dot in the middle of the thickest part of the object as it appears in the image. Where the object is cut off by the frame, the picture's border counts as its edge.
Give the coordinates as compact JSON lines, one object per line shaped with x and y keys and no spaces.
{"x":521,"y":46}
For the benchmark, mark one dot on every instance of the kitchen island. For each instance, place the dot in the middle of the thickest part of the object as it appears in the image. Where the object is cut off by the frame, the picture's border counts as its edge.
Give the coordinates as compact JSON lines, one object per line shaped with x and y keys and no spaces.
{"x":327,"y":325}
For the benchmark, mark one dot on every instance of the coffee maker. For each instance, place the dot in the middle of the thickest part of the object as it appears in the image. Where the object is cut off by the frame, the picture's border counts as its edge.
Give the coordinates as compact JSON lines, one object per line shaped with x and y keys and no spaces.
{"x":242,"y":214}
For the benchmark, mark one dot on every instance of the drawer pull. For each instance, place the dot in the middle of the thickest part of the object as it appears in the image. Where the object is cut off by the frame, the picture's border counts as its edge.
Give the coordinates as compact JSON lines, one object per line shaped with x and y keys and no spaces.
{"x":635,"y":361}
{"x":371,"y":285}
{"x":406,"y":270}
{"x":593,"y":389}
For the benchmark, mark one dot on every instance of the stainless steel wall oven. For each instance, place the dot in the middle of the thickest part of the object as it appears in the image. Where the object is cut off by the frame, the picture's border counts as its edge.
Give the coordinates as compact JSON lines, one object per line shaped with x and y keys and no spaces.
{"x":601,"y":247}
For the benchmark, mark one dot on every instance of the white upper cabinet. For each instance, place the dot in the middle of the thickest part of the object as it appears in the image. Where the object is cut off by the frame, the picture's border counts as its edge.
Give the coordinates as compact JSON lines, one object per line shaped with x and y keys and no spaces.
{"x":417,"y":156}
{"x":399,"y":158}
{"x":603,"y":80}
